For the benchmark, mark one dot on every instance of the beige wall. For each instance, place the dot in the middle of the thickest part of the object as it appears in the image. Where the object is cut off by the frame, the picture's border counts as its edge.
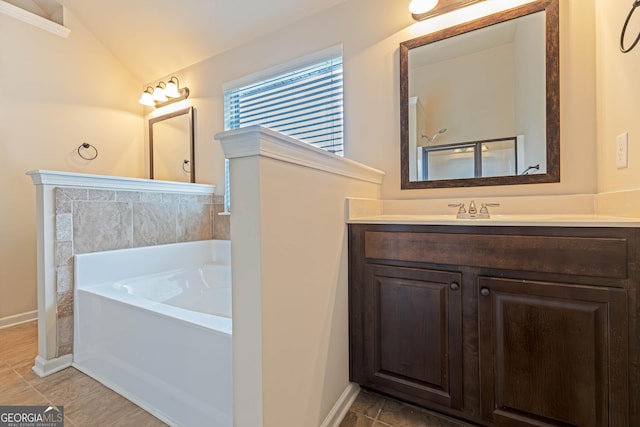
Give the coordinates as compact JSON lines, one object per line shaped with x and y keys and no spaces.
{"x":371,"y":81}
{"x":55,"y":93}
{"x":618,"y":89}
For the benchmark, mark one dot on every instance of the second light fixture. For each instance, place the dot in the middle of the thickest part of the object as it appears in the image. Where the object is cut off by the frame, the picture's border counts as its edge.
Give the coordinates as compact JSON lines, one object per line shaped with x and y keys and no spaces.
{"x":164,"y":94}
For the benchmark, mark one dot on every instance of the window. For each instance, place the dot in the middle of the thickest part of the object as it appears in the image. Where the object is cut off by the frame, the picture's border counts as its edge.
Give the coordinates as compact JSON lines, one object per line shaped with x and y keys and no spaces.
{"x":305,"y":103}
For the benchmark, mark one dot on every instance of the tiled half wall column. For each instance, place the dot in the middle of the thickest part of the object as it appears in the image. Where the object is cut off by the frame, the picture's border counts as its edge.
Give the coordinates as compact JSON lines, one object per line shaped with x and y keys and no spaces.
{"x":80,"y":213}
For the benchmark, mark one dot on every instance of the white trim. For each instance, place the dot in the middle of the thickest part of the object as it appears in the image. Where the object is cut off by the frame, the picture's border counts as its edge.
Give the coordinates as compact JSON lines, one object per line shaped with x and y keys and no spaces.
{"x":71,"y":179}
{"x":286,"y":67}
{"x":260,"y":141}
{"x":340,"y":409}
{"x":33,"y":19}
{"x":44,"y":367}
{"x":17,"y":319}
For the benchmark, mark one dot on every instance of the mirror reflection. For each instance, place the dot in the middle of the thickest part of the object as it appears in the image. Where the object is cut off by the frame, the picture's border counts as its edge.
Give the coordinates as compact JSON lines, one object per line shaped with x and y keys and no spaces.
{"x":479,"y":106}
{"x":171,"y":143}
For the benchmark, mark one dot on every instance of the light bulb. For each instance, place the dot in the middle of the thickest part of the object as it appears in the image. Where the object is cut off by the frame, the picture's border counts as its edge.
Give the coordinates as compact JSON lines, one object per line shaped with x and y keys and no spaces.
{"x":171,"y":91}
{"x":418,"y":7}
{"x":146,"y":98}
{"x":158,"y":93}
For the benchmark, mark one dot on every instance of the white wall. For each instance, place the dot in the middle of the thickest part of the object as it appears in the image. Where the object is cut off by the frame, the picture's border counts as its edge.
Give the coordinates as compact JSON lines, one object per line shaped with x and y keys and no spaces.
{"x":55,"y":93}
{"x":290,"y":277}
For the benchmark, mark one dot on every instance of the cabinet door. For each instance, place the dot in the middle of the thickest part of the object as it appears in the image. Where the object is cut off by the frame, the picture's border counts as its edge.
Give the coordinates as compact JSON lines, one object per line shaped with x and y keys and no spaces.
{"x":552,"y":354}
{"x":413,"y":334}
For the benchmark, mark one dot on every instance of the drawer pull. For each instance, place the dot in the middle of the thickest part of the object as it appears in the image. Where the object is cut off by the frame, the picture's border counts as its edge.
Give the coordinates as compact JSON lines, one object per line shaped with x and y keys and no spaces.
{"x":454,"y":286}
{"x":485,"y":292}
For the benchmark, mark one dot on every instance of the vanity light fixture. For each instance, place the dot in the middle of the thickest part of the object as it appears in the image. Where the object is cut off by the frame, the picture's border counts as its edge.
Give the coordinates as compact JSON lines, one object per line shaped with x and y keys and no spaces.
{"x":419,"y":7}
{"x":423,"y":9}
{"x":164,"y":94}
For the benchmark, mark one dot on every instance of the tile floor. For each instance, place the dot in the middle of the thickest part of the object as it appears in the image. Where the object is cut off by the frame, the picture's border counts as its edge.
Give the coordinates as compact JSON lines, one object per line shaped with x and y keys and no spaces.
{"x":86,"y":402}
{"x":373,"y":410}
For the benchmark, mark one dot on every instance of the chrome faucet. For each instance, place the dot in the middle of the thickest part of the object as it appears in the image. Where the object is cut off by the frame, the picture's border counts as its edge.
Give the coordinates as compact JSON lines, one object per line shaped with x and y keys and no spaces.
{"x":473,"y":211}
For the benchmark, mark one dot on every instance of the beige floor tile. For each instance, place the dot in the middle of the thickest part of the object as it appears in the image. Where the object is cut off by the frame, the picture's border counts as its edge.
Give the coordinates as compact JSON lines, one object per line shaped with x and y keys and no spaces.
{"x":21,"y":394}
{"x":19,"y":355}
{"x":25,"y":370}
{"x":398,"y":414}
{"x":100,"y":407}
{"x":139,"y":418}
{"x":18,"y":343}
{"x":66,"y":386}
{"x":368,"y":404}
{"x":68,"y":422}
{"x":8,"y":376}
{"x":353,"y":419}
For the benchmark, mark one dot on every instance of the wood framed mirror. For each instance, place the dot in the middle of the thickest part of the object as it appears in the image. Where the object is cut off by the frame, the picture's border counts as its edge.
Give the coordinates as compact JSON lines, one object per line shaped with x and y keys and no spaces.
{"x":171,"y":146}
{"x":480,"y":101}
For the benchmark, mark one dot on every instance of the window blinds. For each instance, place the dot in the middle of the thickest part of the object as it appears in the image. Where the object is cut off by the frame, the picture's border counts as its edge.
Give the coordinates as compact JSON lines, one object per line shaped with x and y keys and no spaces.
{"x":305,"y":104}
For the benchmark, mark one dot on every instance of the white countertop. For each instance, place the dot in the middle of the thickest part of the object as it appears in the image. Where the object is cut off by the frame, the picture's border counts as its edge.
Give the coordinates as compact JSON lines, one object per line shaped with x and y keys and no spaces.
{"x":543,"y":220}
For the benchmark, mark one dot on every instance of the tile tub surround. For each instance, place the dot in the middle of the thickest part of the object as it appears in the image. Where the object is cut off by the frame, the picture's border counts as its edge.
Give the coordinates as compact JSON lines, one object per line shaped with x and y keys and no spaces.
{"x":80,"y":213}
{"x":95,"y":220}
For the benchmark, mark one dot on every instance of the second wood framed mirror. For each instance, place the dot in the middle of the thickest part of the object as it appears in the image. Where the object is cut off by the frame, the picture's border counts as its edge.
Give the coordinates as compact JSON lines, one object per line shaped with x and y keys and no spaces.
{"x":480,"y":102}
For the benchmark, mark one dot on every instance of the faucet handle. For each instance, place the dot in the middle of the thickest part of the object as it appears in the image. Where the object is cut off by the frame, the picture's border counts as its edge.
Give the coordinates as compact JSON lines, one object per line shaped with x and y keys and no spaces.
{"x":484,"y":207}
{"x":460,"y":207}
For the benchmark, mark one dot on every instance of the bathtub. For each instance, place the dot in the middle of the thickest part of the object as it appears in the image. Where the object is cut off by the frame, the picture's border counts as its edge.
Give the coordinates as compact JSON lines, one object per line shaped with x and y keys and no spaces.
{"x":154,"y":325}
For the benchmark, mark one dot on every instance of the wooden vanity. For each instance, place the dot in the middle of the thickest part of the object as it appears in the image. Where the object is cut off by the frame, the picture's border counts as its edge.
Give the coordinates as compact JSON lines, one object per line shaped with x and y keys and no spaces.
{"x":499,"y":325}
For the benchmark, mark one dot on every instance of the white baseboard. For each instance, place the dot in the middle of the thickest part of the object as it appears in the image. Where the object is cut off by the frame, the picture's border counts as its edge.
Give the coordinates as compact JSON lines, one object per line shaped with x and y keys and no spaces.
{"x":16,"y":319}
{"x":44,"y":367}
{"x":340,"y":409}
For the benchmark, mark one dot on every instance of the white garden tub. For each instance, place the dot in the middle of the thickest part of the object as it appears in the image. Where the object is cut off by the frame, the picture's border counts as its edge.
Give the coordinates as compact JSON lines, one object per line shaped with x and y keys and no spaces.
{"x":154,"y":324}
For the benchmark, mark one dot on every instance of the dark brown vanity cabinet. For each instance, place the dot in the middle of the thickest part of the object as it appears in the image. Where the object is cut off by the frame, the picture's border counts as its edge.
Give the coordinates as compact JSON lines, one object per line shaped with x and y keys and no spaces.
{"x":504,"y":326}
{"x":553,"y":353}
{"x":413,"y":333}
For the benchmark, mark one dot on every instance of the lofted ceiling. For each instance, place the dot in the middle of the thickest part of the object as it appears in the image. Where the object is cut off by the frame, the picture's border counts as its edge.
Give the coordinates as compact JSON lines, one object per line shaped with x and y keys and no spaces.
{"x":153,"y":38}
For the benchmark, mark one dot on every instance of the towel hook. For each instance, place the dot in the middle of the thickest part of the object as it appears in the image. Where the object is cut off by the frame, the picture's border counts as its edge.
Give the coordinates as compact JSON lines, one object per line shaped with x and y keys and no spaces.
{"x":635,"y":4}
{"x":86,"y":146}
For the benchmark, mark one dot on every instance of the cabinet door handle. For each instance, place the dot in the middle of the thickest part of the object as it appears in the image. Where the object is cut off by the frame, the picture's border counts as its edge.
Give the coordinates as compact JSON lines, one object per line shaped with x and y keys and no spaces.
{"x":485,"y":292}
{"x":454,"y":286}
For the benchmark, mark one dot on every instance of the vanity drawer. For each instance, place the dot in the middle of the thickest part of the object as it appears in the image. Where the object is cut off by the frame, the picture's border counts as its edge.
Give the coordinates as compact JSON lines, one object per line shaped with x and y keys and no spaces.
{"x":584,"y":256}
